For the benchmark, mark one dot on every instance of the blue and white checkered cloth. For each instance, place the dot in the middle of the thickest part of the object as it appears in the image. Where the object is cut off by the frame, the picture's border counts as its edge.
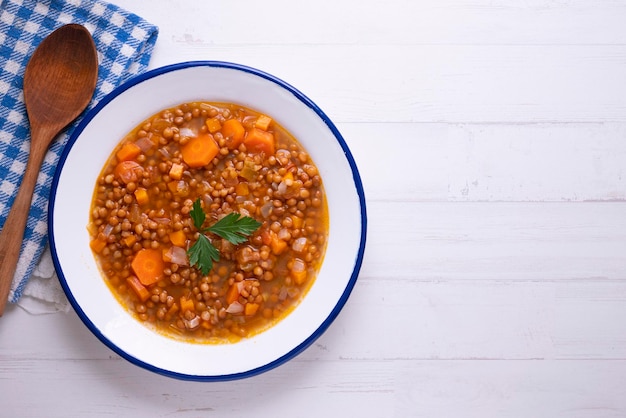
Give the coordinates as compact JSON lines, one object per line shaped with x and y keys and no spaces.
{"x":125,"y":43}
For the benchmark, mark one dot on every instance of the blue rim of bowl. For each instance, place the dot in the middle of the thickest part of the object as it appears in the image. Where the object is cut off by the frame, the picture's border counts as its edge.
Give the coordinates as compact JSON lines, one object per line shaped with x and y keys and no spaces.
{"x":357,"y":181}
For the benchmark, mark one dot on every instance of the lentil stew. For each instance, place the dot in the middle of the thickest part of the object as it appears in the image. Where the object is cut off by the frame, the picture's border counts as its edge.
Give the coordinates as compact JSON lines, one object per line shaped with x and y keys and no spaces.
{"x":220,"y":159}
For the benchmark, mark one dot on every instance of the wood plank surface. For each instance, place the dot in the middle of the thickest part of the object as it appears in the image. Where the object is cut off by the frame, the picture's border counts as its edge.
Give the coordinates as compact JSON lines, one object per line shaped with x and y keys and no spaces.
{"x":491,"y":140}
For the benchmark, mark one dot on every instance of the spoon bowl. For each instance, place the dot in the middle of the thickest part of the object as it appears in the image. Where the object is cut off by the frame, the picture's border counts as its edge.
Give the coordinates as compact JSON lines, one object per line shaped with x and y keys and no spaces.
{"x":59,"y":82}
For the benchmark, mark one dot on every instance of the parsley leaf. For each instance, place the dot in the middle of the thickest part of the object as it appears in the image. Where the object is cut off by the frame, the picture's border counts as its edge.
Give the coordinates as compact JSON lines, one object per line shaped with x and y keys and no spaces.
{"x":197,"y":214}
{"x":202,"y":254}
{"x":234,"y":227}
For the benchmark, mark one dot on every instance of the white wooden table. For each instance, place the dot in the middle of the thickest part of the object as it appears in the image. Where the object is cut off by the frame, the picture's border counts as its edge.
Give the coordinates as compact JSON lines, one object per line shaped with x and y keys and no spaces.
{"x":491,"y":139}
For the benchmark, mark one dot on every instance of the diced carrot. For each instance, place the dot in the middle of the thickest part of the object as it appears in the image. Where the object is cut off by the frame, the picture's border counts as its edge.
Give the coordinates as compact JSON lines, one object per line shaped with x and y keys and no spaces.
{"x":141,"y":195}
{"x":298,"y":271}
{"x":297,"y":221}
{"x":148,"y":266}
{"x":128,"y":171}
{"x":129,"y":151}
{"x":178,"y":187}
{"x":299,"y":276}
{"x":176,"y":172}
{"x":263,"y":122}
{"x":242,"y":189}
{"x":142,"y":293}
{"x":199,"y":151}
{"x":166,"y":255}
{"x":178,"y":238}
{"x":251,"y":308}
{"x":97,"y":245}
{"x":171,"y":311}
{"x":232,"y":294}
{"x":186,"y":304}
{"x":276,"y":244}
{"x":288,"y":178}
{"x":258,"y":140}
{"x":233,"y":132}
{"x":130,"y":240}
{"x":266,"y":237}
{"x":213,"y":125}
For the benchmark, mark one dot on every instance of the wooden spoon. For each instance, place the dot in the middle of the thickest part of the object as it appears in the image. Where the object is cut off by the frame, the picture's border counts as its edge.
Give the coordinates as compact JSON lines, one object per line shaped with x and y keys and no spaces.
{"x":59,"y":82}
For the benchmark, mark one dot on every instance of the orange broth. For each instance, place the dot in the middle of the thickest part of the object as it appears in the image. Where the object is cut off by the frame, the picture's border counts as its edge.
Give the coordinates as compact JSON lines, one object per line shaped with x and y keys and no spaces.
{"x":228,"y":158}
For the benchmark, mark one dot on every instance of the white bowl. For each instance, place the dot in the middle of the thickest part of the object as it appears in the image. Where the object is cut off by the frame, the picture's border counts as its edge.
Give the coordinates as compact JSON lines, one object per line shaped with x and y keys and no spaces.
{"x":75,"y":178}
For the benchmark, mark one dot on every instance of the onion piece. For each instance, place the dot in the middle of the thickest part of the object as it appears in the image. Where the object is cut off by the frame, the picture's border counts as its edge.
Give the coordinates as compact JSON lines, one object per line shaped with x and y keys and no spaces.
{"x":177,"y":255}
{"x":162,"y":221}
{"x":299,"y":244}
{"x":282,"y":188}
{"x":293,"y":292}
{"x":247,"y":254}
{"x":298,"y":265}
{"x":165,"y":153}
{"x":235,"y":308}
{"x":107,"y":230}
{"x":186,"y":132}
{"x":194,"y":125}
{"x":249,"y":120}
{"x":266,"y":209}
{"x":284,"y":234}
{"x":192,"y":323}
{"x":144,"y":143}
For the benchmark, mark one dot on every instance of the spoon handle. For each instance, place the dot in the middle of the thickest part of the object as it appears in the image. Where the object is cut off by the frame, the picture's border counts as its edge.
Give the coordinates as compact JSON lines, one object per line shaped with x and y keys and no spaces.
{"x":12,"y":232}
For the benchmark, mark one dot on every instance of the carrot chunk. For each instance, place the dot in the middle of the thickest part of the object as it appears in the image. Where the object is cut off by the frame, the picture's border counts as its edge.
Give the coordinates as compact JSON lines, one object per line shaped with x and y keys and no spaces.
{"x":298,"y":276}
{"x":148,"y":266}
{"x":266,"y":237}
{"x":213,"y":125}
{"x":129,"y":151}
{"x":298,"y":271}
{"x":178,"y":187}
{"x":97,"y":245}
{"x":142,"y":293}
{"x":178,"y":238}
{"x":130,"y":240}
{"x":233,"y":132}
{"x":297,"y":221}
{"x":128,"y":171}
{"x":258,"y":141}
{"x":176,"y":172}
{"x":251,"y":308}
{"x":242,"y":189}
{"x":199,"y":151}
{"x":186,"y":304}
{"x":232,"y":294}
{"x":171,"y":311}
{"x":263,"y":122}
{"x":276,"y":244}
{"x":141,"y":195}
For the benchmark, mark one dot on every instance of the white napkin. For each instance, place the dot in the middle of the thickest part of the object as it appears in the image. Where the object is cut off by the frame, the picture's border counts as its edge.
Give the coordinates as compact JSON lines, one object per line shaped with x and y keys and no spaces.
{"x":43,"y":293}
